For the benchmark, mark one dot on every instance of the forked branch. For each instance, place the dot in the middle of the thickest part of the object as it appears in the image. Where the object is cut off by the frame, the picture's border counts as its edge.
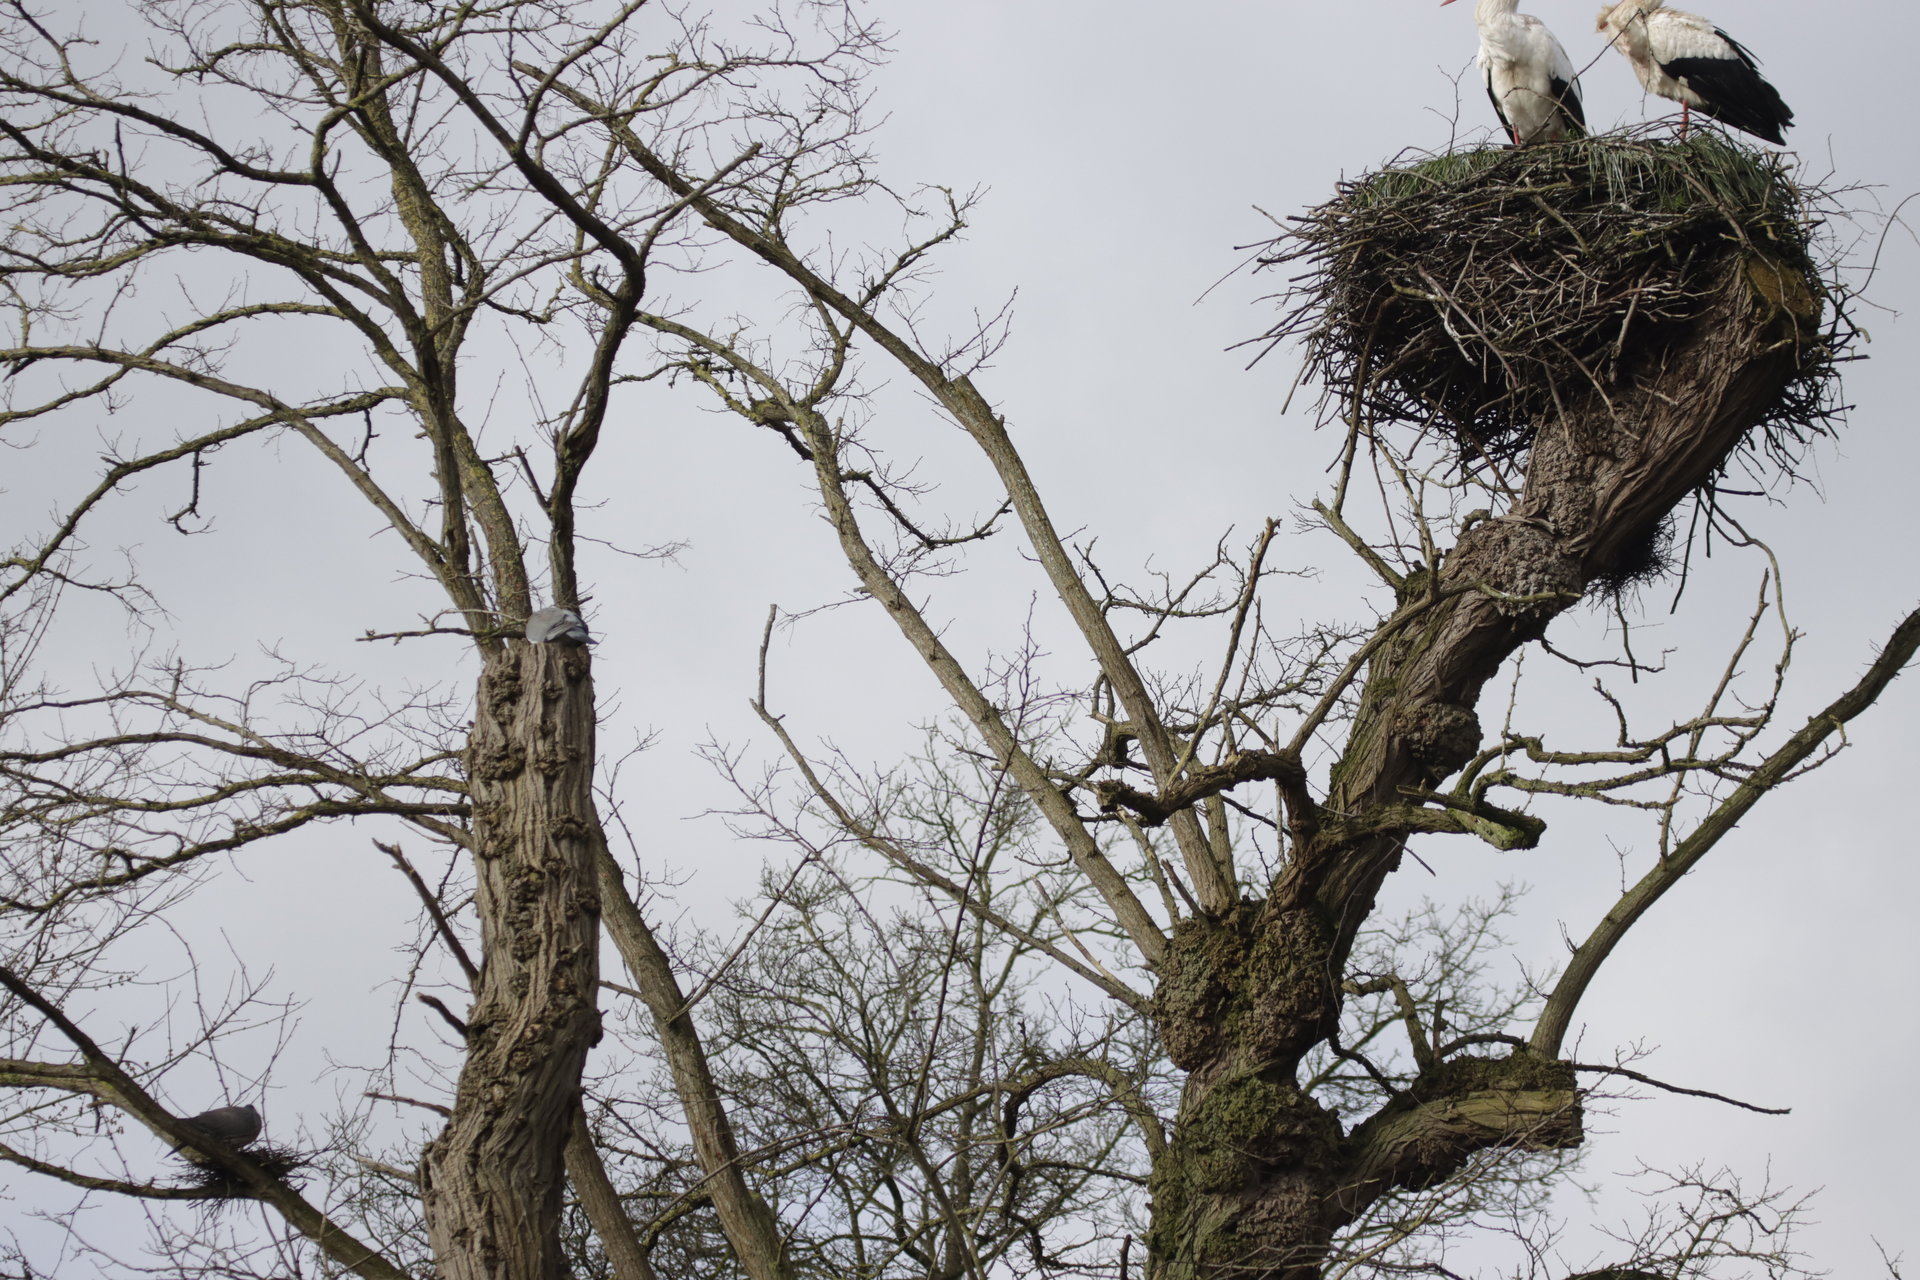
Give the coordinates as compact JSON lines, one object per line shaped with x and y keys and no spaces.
{"x":1551,"y":1030}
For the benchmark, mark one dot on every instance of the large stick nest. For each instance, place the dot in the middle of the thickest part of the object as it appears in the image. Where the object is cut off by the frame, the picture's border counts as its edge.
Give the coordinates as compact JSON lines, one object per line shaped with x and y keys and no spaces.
{"x":1482,"y":293}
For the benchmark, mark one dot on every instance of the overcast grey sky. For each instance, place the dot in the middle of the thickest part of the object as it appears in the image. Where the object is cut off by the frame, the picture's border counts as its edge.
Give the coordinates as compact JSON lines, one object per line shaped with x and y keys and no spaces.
{"x":1125,"y":149}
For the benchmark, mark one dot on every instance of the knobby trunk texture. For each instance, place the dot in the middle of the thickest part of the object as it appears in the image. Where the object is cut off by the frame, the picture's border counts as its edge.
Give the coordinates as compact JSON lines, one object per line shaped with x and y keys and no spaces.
{"x":491,"y":1183}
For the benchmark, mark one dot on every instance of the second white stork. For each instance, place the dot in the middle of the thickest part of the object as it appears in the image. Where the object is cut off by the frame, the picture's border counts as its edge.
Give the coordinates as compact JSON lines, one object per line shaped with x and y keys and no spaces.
{"x":1682,"y":56}
{"x":1529,"y":76}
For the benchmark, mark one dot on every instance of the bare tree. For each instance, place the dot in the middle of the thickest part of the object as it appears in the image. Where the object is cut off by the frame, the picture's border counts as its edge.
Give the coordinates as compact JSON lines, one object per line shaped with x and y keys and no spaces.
{"x":895,"y":1071}
{"x":399,"y":196}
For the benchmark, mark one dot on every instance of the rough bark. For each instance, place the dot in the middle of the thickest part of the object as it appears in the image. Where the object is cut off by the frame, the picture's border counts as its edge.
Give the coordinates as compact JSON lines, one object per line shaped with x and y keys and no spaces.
{"x":1258,"y":1177}
{"x":491,"y":1183}
{"x":1242,"y":1187}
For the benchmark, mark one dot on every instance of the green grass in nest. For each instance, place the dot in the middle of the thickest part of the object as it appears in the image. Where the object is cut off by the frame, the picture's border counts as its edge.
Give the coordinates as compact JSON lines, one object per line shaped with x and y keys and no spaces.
{"x":1479,"y":293}
{"x":1650,"y":173}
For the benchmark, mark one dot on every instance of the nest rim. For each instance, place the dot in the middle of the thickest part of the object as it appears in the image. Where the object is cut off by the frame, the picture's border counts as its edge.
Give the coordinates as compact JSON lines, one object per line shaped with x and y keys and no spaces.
{"x":1401,"y":336}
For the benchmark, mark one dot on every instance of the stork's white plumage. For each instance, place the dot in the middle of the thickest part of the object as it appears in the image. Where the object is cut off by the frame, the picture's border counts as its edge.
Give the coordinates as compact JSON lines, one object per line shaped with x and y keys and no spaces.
{"x":1528,"y":75}
{"x":1682,"y":56}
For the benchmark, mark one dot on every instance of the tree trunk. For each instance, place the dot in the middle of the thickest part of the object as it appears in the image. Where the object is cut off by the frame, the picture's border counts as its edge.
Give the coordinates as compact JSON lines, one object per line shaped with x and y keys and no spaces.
{"x":1241,"y":1189}
{"x":1599,"y":484}
{"x":1258,"y":1178}
{"x":491,"y":1183}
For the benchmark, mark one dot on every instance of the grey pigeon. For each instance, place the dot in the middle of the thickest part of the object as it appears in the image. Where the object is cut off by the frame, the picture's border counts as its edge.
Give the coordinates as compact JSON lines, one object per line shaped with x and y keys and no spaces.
{"x":554,"y":625}
{"x":234,"y":1125}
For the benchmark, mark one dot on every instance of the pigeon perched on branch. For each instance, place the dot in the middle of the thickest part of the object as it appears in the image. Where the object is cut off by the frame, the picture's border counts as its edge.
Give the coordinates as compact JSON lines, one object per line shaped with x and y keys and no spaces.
{"x":236,"y":1126}
{"x":554,"y":625}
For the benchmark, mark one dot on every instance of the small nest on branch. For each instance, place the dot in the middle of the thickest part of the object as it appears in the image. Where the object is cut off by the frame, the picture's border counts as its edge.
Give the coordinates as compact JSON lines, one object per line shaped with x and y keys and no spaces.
{"x":1481,"y":293}
{"x":215,"y":1183}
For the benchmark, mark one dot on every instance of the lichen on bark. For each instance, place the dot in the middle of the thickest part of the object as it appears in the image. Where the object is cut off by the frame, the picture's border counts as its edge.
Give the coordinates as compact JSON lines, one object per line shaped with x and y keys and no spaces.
{"x":1243,"y":990}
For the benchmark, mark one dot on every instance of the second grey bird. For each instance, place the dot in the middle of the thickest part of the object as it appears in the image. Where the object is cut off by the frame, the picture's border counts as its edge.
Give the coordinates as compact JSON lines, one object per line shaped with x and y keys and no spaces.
{"x":554,"y":625}
{"x":234,"y":1125}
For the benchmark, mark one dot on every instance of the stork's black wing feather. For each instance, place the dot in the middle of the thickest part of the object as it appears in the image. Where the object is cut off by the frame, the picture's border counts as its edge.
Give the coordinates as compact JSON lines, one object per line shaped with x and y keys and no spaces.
{"x":1569,"y":99}
{"x":1745,"y":54}
{"x":1733,"y":91}
{"x":1498,"y":109}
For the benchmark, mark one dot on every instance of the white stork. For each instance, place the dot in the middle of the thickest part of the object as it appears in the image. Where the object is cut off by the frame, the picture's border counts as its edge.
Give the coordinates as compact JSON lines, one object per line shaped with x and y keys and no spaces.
{"x":1529,"y":76}
{"x":1682,"y":56}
